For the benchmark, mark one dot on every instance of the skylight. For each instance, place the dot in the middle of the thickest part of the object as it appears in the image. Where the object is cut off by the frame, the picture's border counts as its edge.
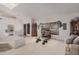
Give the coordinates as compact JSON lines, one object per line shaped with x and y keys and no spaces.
{"x":10,"y":5}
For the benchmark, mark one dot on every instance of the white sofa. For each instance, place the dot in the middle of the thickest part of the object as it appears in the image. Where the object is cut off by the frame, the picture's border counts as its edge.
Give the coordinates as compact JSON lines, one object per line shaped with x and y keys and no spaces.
{"x":14,"y":41}
{"x":72,"y":46}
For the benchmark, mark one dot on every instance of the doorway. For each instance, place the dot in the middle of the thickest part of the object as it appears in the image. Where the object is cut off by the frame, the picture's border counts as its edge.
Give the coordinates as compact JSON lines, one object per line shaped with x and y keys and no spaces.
{"x":24,"y":29}
{"x":28,"y":28}
{"x":34,"y":29}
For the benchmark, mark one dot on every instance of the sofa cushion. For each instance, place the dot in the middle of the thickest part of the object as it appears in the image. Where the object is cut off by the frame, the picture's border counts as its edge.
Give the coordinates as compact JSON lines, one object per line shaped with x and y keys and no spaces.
{"x":70,"y":39}
{"x":76,"y":40}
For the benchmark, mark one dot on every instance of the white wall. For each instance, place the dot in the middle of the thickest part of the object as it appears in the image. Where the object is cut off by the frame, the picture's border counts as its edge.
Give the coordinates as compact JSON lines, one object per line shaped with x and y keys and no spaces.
{"x":52,"y":13}
{"x":4,"y":23}
{"x":65,"y":18}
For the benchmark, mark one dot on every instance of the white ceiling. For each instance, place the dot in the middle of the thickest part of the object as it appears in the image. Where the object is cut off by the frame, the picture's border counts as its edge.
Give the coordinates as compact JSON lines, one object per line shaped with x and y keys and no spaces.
{"x":40,"y":10}
{"x":6,"y":9}
{"x":45,"y":10}
{"x":10,"y":5}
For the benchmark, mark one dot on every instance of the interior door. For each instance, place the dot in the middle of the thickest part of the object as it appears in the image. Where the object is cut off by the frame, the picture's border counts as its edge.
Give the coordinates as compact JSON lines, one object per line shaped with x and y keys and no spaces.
{"x":34,"y":29}
{"x":28,"y":28}
{"x":24,"y":29}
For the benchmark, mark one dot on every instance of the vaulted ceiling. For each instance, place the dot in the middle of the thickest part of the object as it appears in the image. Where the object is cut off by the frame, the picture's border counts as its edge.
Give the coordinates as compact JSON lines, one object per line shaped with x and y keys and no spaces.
{"x":6,"y":10}
{"x":10,"y":5}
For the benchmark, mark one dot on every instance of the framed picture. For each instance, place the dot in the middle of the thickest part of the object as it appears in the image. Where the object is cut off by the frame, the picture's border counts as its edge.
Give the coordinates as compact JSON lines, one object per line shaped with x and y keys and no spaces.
{"x":55,"y":28}
{"x":10,"y":28}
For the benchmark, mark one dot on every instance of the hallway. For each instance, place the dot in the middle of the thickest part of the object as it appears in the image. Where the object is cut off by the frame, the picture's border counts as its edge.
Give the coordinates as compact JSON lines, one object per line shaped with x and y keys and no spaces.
{"x":53,"y":47}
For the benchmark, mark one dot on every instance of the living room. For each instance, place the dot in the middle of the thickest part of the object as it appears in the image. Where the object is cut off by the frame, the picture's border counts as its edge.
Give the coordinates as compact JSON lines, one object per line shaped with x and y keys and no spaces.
{"x":22,"y":24}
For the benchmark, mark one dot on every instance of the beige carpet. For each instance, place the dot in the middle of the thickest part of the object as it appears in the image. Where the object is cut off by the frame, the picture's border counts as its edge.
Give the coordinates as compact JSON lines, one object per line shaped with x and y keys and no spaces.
{"x":4,"y":47}
{"x":53,"y":47}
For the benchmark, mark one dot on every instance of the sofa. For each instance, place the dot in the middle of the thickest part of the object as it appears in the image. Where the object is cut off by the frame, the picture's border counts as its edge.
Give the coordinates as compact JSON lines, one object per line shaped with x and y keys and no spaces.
{"x":14,"y":41}
{"x":72,"y":45}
